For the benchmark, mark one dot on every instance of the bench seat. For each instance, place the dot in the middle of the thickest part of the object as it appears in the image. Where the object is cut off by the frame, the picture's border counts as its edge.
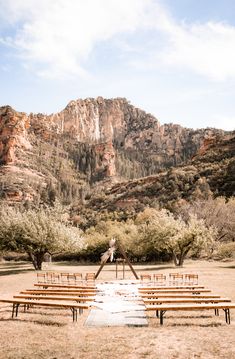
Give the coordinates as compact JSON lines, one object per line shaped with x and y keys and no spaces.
{"x":179,"y":295}
{"x":63,"y":293}
{"x":163,"y":308}
{"x":184,"y":300}
{"x":54,"y":297}
{"x":54,"y":285}
{"x":26,"y":303}
{"x":171,"y":287}
{"x":196,"y":291}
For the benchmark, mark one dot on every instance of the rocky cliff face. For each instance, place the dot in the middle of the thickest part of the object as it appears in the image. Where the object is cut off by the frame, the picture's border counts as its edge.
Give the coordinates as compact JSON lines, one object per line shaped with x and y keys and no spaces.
{"x":104,"y":138}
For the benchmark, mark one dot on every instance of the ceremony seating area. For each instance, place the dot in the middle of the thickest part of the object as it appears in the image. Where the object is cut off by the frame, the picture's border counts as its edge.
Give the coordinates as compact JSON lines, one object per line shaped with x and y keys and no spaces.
{"x":53,"y":295}
{"x":183,"y":298}
{"x":159,"y":293}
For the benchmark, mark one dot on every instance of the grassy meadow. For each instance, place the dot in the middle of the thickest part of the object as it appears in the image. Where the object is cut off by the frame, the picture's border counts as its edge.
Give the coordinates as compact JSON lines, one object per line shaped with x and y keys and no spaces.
{"x":51,"y":334}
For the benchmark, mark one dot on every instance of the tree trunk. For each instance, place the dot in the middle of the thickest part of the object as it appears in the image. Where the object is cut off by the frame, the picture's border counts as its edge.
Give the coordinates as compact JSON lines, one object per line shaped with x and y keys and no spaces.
{"x":178,"y":259}
{"x":37,"y":259}
{"x":175,"y":259}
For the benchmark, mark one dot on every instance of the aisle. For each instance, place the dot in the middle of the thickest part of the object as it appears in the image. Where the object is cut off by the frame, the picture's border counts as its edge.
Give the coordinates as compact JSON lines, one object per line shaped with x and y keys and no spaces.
{"x":117,"y":304}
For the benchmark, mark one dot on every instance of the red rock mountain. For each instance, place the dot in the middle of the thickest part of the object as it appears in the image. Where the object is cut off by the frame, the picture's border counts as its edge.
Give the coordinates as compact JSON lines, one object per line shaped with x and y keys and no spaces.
{"x":90,"y":140}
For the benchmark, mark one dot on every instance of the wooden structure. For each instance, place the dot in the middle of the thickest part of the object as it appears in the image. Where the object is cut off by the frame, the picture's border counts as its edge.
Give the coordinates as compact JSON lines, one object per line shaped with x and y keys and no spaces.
{"x":118,"y":246}
{"x":122,"y":262}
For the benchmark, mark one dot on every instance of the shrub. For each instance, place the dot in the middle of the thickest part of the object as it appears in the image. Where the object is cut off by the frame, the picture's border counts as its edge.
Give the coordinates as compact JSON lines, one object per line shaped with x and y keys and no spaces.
{"x":225,"y":251}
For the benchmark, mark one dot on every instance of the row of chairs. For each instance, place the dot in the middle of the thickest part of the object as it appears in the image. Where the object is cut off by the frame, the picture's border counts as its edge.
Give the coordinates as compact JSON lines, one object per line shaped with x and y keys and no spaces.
{"x":171,"y":279}
{"x":65,"y":278}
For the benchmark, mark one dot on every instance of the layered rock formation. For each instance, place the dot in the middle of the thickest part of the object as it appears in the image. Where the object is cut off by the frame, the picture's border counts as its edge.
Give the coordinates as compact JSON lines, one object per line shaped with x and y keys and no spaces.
{"x":104,"y":138}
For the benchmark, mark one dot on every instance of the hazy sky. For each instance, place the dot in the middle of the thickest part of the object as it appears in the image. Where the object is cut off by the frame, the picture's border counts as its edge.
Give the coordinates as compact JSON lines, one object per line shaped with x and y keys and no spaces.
{"x":172,"y":58}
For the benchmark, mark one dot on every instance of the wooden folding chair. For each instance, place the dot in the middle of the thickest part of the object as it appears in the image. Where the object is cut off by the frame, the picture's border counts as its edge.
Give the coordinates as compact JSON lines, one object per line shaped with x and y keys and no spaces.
{"x":190,"y":278}
{"x":90,"y":278}
{"x":78,"y":278}
{"x":52,"y":277}
{"x":159,"y":279}
{"x":41,"y":277}
{"x":64,"y":278}
{"x":145,"y":278}
{"x":176,"y":279}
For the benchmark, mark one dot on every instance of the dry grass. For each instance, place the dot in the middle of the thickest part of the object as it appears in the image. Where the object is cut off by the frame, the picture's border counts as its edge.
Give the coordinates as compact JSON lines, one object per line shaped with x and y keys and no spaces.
{"x":50,"y":334}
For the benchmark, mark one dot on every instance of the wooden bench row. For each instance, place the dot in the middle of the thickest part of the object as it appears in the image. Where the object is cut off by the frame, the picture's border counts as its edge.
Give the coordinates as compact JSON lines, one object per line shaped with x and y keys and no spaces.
{"x":74,"y":292}
{"x":175,"y":291}
{"x":76,"y":299}
{"x":16,"y":303}
{"x":151,"y":287}
{"x":161,"y":309}
{"x":163,"y":300}
{"x":68,"y":286}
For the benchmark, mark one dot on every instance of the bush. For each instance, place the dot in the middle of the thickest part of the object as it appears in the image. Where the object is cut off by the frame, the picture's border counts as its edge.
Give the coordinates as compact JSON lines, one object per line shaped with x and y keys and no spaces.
{"x":225,"y":251}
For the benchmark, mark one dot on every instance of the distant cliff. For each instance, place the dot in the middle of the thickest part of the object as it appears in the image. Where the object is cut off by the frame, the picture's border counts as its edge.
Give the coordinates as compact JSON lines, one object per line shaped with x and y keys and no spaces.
{"x":89,"y":141}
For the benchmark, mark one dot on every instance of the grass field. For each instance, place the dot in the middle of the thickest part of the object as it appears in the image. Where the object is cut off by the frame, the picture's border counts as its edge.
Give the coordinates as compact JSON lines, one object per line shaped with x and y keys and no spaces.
{"x":51,"y":334}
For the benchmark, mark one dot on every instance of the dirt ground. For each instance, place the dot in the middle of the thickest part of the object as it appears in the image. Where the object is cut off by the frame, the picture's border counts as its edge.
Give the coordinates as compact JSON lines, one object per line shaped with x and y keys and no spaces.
{"x":51,"y":334}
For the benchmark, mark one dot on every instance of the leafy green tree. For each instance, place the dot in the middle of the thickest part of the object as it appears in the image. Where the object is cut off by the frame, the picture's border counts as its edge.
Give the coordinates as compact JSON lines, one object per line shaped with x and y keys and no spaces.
{"x":37,"y":232}
{"x":162,"y":231}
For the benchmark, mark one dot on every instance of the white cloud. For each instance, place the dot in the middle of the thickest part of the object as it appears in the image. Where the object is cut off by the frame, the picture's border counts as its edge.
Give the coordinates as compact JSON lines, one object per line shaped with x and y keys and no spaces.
{"x":208,"y":49}
{"x":56,"y":37}
{"x":62,"y":33}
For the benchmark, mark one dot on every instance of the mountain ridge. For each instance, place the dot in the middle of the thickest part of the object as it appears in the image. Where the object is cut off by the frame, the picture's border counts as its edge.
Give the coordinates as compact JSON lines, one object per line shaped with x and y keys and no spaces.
{"x":89,"y":141}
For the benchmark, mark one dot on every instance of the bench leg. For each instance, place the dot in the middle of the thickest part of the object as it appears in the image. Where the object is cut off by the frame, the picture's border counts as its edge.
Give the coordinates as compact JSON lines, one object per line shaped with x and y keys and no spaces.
{"x":162,"y":312}
{"x":75,"y":314}
{"x":80,"y":311}
{"x":157,"y":313}
{"x":227,"y":315}
{"x":15,"y":308}
{"x":216,"y":311}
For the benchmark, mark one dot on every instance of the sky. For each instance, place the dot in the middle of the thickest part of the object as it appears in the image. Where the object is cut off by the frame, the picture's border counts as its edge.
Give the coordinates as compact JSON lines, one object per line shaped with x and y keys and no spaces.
{"x":174,"y":59}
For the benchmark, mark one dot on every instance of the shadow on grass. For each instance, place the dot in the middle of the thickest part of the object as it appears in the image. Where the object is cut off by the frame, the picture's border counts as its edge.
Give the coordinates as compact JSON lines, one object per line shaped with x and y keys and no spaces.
{"x":77,"y":264}
{"x":229,"y":267}
{"x":154,"y":268}
{"x":40,"y":322}
{"x":15,"y":271}
{"x":208,"y":325}
{"x":14,"y":266}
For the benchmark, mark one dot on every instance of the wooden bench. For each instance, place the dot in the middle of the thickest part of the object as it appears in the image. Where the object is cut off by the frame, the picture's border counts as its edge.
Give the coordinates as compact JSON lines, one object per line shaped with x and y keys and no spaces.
{"x":172,"y":287}
{"x":163,"y":308}
{"x":52,"y":292}
{"x":178,"y":291}
{"x":158,"y":301}
{"x":54,"y":285}
{"x":185,"y":300}
{"x":53,"y":297}
{"x":27,"y":303}
{"x":166,"y":295}
{"x":78,"y":290}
